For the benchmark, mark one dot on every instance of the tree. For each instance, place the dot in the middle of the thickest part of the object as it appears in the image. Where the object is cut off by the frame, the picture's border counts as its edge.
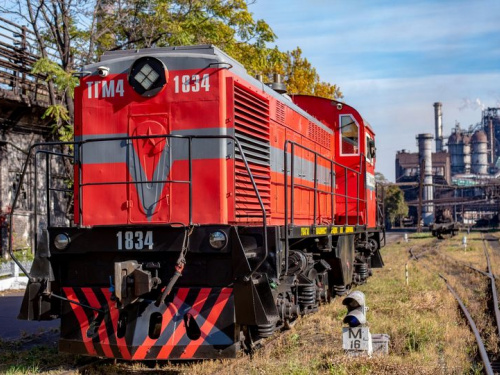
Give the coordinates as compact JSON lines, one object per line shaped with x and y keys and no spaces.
{"x":394,"y":203}
{"x":380,"y":178}
{"x":64,"y":84}
{"x":54,"y":25}
{"x":76,"y":32}
{"x":227,"y":24}
{"x":159,"y":23}
{"x":395,"y":206}
{"x":300,"y":77}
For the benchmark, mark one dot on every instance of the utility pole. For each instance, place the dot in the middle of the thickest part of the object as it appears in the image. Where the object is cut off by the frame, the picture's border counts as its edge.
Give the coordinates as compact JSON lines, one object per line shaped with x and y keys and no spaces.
{"x":420,"y":189}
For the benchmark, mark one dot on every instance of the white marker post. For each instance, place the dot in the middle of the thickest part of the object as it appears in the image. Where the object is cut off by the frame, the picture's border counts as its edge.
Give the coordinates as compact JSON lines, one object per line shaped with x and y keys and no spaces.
{"x":407,"y":277}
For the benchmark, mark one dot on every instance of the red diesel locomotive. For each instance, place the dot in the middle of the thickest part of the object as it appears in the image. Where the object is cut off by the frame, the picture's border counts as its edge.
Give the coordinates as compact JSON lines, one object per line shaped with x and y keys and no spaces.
{"x":210,"y":209}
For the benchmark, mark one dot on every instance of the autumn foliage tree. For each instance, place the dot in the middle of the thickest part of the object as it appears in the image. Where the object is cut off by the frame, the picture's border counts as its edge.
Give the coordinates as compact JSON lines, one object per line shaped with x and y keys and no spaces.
{"x":302,"y":78}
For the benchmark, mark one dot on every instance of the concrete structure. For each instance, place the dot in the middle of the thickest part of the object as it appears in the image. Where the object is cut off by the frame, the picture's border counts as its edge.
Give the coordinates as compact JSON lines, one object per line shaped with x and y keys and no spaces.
{"x":467,"y":153}
{"x":425,"y":162}
{"x":479,"y":158}
{"x":438,"y":125}
{"x":408,"y":169}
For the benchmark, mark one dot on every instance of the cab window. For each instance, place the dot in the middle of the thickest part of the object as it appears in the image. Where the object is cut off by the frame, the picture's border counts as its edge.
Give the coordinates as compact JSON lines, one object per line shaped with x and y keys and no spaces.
{"x":349,"y":135}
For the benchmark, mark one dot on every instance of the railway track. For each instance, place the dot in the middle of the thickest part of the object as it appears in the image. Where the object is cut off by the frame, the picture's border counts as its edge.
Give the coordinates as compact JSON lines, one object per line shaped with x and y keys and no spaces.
{"x":491,"y":362}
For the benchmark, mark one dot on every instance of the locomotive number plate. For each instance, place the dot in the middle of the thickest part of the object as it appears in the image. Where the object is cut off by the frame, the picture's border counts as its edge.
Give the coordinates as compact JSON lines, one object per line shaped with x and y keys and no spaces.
{"x":134,"y":240}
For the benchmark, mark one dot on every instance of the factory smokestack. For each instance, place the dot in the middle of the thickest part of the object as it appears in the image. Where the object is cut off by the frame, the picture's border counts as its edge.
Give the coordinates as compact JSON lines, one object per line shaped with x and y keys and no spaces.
{"x":438,"y":121}
{"x":425,"y":162}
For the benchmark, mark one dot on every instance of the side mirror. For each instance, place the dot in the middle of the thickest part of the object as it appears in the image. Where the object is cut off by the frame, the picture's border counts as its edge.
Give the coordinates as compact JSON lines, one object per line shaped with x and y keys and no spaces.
{"x":372,"y":149}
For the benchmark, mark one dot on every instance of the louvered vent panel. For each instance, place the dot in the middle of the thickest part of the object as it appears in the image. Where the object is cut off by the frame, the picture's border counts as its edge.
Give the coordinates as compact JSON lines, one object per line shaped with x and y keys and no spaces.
{"x":280,"y":112}
{"x":252,"y":131}
{"x":319,"y":135}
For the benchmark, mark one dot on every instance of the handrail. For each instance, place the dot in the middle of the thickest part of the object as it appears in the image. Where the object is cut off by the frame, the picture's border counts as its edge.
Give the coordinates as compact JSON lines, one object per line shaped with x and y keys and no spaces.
{"x":78,"y":146}
{"x":348,"y":197}
{"x":47,"y":166}
{"x":332,"y":193}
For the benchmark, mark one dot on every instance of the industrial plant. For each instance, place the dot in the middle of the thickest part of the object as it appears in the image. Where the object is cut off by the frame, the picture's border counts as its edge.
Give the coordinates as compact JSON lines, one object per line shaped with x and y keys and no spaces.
{"x":460,"y":177}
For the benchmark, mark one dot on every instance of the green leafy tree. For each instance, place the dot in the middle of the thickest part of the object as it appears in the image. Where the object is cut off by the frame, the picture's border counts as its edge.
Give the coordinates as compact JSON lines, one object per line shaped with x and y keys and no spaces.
{"x":64,"y":84}
{"x":159,"y":23}
{"x":394,"y":203}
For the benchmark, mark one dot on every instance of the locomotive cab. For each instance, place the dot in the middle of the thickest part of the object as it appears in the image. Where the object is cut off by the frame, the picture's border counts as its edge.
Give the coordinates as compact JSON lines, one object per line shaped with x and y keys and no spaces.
{"x":356,"y":201}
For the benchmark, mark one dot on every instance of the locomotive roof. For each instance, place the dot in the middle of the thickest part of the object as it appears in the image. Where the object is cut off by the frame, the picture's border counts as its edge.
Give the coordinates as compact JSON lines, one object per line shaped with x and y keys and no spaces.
{"x":193,"y":57}
{"x":365,"y":123}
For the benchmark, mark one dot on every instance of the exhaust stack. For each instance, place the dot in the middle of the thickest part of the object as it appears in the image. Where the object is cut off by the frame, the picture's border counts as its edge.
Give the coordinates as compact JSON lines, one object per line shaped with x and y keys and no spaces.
{"x":425,"y":162}
{"x":438,"y":121}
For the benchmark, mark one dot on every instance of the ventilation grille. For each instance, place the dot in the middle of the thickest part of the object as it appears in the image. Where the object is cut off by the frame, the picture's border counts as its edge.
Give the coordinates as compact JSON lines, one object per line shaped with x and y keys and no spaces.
{"x":252,"y":131}
{"x":319,"y":135}
{"x":280,"y":112}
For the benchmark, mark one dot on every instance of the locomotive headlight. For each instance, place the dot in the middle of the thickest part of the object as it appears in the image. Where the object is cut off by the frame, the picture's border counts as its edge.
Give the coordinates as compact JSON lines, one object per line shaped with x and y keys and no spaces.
{"x":61,"y":241}
{"x":148,"y":76}
{"x":217,"y":240}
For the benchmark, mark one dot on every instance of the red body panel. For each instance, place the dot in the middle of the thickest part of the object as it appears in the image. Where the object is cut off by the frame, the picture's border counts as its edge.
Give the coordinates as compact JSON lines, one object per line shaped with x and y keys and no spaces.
{"x":120,"y":191}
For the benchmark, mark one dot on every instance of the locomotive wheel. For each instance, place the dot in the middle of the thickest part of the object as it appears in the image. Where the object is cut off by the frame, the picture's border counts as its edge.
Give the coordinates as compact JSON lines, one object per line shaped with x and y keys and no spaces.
{"x":372,"y":245}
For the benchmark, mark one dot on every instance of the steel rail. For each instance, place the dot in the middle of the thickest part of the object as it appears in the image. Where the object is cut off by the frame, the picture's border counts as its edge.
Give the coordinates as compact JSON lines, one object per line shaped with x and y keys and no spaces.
{"x":463,"y":264}
{"x":488,"y":369}
{"x":482,"y":350}
{"x":332,"y":167}
{"x":421,"y":254}
{"x":494,"y":293}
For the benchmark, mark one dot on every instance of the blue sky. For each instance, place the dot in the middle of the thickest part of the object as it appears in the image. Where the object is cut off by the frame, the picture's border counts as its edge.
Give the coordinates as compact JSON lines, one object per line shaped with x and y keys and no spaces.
{"x":394,"y":59}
